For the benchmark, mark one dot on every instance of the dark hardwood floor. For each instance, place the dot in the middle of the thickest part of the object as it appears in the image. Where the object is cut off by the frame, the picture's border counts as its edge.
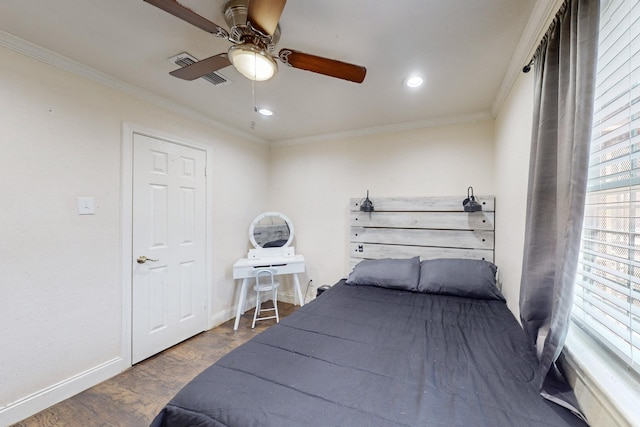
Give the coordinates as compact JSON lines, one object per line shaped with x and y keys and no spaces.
{"x":134,"y":397}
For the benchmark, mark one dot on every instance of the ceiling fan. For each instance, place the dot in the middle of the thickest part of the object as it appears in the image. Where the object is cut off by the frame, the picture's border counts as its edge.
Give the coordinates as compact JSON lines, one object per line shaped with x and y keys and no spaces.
{"x":254,"y":32}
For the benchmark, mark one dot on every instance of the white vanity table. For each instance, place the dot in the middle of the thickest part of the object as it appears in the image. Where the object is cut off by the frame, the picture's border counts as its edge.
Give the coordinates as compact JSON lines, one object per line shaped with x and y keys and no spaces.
{"x":243,"y":269}
{"x":271,"y":234}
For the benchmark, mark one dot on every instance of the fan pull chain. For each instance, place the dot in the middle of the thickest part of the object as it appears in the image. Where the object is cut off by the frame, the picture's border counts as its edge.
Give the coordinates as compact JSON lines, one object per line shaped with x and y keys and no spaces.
{"x":253,"y":100}
{"x":253,"y":95}
{"x":253,"y":83}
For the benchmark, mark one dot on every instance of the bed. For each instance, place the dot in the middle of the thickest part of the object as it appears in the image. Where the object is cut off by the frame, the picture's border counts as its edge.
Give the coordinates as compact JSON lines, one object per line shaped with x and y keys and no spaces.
{"x":400,"y":342}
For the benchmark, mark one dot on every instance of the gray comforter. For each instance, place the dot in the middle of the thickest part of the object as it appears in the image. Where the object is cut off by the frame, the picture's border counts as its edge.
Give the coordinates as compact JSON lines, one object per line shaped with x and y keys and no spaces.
{"x":365,"y":356}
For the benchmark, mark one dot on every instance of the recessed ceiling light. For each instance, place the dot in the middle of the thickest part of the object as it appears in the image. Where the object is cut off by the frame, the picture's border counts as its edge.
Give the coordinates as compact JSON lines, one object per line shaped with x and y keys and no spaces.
{"x":264,"y":111}
{"x":414,"y":81}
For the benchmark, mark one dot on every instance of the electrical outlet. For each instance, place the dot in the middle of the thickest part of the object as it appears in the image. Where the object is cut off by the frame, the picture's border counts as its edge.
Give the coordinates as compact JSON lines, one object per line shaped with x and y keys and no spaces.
{"x":86,"y":206}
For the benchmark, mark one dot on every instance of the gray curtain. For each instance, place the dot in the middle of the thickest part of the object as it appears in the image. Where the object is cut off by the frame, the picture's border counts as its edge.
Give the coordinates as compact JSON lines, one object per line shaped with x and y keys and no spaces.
{"x":565,"y":68}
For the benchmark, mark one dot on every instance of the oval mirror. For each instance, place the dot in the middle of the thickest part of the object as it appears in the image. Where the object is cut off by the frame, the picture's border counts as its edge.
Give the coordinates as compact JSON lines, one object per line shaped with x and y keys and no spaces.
{"x":271,"y":230}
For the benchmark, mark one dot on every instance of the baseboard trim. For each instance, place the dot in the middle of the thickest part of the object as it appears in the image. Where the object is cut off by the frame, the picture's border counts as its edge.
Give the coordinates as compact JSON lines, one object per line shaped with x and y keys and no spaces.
{"x":221,"y":317}
{"x":230,"y":313}
{"x":56,"y":393}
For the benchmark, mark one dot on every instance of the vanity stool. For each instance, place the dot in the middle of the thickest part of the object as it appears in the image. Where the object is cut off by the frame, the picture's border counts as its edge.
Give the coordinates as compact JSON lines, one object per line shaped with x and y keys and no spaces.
{"x":268,"y":285}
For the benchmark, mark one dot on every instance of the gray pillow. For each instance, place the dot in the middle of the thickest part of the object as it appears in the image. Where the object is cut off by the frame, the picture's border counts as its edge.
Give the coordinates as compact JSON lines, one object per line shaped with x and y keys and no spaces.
{"x":468,"y":278}
{"x":387,"y":273}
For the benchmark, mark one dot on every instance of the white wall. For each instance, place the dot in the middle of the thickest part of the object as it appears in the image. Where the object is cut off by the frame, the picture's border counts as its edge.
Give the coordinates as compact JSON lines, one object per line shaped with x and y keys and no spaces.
{"x":313,"y":183}
{"x":512,"y":147}
{"x":60,"y":273}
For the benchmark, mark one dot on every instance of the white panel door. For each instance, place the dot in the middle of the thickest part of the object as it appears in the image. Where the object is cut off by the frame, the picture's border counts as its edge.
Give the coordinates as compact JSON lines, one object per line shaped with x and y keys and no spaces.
{"x":169,"y":290}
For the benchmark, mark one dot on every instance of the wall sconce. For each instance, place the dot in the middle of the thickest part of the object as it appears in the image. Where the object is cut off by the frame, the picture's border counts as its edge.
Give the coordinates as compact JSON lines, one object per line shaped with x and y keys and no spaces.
{"x":470,"y":204}
{"x":367,"y":205}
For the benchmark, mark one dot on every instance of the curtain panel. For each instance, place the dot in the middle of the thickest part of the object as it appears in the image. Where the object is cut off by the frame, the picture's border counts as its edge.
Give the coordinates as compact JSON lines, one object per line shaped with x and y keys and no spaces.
{"x":565,"y":70}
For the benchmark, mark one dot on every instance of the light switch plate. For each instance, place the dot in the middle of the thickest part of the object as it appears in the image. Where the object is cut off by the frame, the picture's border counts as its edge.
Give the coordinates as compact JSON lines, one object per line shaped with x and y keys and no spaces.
{"x":85,"y":206}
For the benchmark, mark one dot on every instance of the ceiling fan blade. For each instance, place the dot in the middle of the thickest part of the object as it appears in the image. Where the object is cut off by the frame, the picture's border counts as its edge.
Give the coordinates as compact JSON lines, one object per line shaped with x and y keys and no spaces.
{"x":202,"y":68}
{"x":186,"y":14}
{"x":318,"y":64}
{"x":265,"y":14}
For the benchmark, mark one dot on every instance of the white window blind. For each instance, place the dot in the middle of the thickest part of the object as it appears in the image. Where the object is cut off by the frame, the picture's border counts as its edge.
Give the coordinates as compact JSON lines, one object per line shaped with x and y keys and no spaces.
{"x":607,"y":293}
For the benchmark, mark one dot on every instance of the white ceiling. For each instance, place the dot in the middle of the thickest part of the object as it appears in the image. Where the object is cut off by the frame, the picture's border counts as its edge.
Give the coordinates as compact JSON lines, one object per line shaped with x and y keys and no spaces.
{"x":463,"y":48}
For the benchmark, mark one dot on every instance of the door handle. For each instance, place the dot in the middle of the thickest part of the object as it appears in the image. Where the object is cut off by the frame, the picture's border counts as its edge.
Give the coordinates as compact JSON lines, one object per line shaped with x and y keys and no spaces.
{"x":142,"y":259}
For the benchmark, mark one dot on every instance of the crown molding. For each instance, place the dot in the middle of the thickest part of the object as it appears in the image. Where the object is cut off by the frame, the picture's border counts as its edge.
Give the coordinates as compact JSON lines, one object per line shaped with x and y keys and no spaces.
{"x":543,"y":13}
{"x":392,"y":128}
{"x":54,"y":59}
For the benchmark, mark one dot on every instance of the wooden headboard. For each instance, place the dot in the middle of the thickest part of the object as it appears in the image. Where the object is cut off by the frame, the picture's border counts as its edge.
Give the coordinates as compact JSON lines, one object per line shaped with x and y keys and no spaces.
{"x":429,"y":227}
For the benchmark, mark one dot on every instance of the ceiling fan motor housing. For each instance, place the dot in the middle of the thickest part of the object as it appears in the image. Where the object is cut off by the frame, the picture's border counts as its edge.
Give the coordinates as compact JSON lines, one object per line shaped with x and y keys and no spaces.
{"x":236,"y":13}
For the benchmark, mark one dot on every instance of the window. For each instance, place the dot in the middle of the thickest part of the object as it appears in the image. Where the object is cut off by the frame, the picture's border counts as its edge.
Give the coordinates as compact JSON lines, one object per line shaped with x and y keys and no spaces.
{"x":607,"y":293}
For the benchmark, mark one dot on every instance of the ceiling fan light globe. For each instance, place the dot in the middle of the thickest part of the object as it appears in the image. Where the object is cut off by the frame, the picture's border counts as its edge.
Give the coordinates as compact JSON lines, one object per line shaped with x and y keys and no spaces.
{"x":253,"y":63}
